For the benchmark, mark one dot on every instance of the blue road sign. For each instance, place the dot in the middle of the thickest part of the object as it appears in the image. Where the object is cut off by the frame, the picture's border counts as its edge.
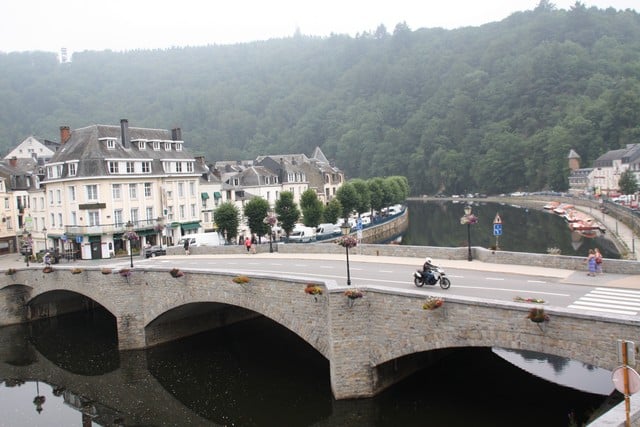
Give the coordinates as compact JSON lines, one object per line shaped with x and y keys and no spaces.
{"x":497,"y":229}
{"x":359,"y":224}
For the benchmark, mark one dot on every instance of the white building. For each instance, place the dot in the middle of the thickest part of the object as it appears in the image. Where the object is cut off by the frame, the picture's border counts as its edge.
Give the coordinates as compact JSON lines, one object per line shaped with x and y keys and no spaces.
{"x":104,"y":177}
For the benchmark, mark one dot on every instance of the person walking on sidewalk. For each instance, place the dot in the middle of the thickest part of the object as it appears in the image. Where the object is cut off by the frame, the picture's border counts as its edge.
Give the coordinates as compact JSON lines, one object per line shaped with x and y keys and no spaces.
{"x":591,"y":262}
{"x":598,"y":257}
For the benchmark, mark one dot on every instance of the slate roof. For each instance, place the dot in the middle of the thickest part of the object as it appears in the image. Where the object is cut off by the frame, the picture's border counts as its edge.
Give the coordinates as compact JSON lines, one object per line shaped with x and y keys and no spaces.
{"x":85,"y":145}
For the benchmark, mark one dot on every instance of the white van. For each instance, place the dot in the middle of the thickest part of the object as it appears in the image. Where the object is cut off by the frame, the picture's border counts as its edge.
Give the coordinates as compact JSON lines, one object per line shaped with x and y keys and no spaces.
{"x":326,"y":230}
{"x":202,"y":239}
{"x":302,"y":234}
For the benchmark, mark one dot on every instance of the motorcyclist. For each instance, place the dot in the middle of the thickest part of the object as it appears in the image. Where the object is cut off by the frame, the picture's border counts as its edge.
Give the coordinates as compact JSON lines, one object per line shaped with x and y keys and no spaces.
{"x":427,"y":272}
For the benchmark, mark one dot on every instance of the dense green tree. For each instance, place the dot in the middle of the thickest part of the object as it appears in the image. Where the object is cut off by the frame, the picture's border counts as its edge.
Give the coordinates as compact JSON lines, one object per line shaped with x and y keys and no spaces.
{"x":376,"y":192}
{"x":627,"y":182}
{"x":287,"y":211}
{"x":227,"y":219}
{"x":255,"y":211}
{"x":348,"y":198}
{"x":363,"y":196}
{"x":311,"y":208}
{"x":332,"y":211}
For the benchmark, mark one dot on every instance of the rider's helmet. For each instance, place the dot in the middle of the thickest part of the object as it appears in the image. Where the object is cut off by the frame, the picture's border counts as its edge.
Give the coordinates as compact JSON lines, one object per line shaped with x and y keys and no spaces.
{"x":428,"y":261}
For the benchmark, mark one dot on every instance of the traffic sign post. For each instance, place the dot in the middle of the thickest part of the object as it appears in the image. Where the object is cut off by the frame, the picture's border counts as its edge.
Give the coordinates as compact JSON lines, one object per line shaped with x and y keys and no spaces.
{"x":497,"y":228}
{"x":625,"y":379}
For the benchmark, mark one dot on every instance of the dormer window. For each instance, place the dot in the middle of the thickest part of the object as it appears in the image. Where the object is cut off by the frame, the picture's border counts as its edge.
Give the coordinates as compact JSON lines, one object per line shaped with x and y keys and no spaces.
{"x":178,"y":146}
{"x":142,"y":145}
{"x":109,"y":142}
{"x":178,"y":166}
{"x":156,"y":145}
{"x":189,"y":167}
{"x":73,"y":169}
{"x":167,"y":146}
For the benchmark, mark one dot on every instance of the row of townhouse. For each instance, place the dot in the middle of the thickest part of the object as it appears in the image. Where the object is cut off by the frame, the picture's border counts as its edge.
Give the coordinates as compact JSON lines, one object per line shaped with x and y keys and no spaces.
{"x":602,"y":178}
{"x":104,"y":180}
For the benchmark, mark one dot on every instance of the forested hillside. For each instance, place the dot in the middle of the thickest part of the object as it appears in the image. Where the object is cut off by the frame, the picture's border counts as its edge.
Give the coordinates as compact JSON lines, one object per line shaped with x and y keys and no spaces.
{"x":491,"y":109}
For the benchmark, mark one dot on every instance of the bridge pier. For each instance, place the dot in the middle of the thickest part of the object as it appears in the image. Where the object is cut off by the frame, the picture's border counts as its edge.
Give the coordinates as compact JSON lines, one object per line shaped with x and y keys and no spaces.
{"x":12,"y":304}
{"x":131,"y":332}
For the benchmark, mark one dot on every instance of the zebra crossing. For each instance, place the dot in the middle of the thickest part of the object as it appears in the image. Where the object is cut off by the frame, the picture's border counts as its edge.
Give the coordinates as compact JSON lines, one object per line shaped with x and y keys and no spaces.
{"x":610,"y":300}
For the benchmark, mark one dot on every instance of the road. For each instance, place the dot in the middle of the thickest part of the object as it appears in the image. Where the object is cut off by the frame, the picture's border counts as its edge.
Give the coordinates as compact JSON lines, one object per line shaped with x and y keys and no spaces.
{"x":609,"y":293}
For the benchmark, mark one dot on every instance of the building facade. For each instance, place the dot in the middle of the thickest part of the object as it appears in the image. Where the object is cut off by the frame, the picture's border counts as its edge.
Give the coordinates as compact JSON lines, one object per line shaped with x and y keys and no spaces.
{"x":107,"y":180}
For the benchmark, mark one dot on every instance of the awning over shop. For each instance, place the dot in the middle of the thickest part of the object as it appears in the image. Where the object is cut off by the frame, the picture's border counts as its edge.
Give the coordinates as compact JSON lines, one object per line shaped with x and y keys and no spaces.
{"x":190,"y":225}
{"x":204,"y":196}
{"x":146,"y":232}
{"x":217,"y":195}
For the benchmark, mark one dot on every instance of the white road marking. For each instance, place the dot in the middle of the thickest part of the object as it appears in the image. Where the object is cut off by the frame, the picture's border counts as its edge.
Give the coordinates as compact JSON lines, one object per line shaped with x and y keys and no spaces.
{"x":610,"y":300}
{"x":536,"y":281}
{"x":605,"y":310}
{"x":498,"y":279}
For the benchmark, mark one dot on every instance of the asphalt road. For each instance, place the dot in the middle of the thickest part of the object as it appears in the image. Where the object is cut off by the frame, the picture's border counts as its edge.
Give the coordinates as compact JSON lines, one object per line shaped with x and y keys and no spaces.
{"x":609,"y":293}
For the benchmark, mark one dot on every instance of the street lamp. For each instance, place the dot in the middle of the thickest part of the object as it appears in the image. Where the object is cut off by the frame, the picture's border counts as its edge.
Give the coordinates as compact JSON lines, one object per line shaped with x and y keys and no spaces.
{"x":130,"y":235}
{"x":347,"y":242}
{"x":26,"y":244}
{"x":468,"y":218}
{"x":44,"y":231}
{"x":270,"y":220}
{"x":38,"y":400}
{"x":159,"y":229}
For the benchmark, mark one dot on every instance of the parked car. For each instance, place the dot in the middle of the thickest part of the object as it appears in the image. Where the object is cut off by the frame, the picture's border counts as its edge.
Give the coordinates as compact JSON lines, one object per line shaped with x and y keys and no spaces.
{"x":154,"y":251}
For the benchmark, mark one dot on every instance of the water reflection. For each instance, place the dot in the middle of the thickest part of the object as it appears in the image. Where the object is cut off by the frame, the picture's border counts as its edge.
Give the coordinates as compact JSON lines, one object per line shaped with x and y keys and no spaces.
{"x":437,"y":223}
{"x":567,"y":372}
{"x":255,"y":373}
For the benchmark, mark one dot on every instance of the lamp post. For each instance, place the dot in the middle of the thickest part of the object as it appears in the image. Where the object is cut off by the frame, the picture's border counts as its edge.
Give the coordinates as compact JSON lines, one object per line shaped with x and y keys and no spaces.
{"x":160,"y":229}
{"x":26,"y":244}
{"x":38,"y":400}
{"x":44,"y":231}
{"x":468,"y":218}
{"x":346,"y":229}
{"x":270,"y":220}
{"x":130,"y":235}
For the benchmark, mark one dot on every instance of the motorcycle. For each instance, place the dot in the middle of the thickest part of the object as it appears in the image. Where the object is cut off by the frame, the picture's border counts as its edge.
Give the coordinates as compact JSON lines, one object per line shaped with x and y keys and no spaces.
{"x":439,"y":277}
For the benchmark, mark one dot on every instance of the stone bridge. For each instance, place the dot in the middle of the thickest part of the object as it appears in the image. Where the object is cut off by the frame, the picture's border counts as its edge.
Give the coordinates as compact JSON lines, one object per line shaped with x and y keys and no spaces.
{"x":370,"y":343}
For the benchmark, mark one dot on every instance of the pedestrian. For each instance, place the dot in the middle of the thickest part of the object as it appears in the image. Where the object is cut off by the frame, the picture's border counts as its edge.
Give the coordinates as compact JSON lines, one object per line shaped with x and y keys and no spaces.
{"x":47,"y":259}
{"x":186,"y":246}
{"x":598,"y":256}
{"x":591,"y":262}
{"x":254,"y":242}
{"x":247,"y":244}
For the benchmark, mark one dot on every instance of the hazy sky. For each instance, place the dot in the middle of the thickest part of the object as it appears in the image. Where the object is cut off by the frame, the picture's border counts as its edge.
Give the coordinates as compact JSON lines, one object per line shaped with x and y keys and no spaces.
{"x":148,"y":24}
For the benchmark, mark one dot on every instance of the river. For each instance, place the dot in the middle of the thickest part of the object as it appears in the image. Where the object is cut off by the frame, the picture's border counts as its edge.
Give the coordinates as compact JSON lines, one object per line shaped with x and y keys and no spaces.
{"x":254,"y":374}
{"x":437,"y":223}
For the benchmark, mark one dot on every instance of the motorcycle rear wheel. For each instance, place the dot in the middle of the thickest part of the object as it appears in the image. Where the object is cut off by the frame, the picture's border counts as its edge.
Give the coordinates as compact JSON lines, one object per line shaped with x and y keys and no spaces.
{"x":418,"y":282}
{"x":445,"y":283}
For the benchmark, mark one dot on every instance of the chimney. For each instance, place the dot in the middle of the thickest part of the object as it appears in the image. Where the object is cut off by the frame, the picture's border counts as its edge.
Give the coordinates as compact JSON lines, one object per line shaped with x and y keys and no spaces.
{"x":176,"y":134}
{"x":124,"y":132}
{"x":199,"y":160}
{"x":13,"y":162}
{"x":65,"y":134}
